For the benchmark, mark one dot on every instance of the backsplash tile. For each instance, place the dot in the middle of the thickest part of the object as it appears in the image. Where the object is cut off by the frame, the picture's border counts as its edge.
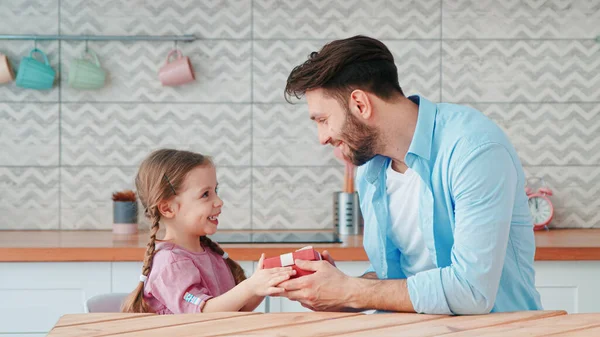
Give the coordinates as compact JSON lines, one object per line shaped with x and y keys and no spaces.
{"x":418,"y":64}
{"x":550,"y":134}
{"x":207,"y":19}
{"x":235,"y":191}
{"x":493,"y":19}
{"x":29,"y":17}
{"x":522,"y":71}
{"x":222,"y":71}
{"x":579,"y":217}
{"x":531,"y":66}
{"x":86,"y":195}
{"x":29,"y":134}
{"x":297,"y":19}
{"x":295,"y":197}
{"x":102,"y":134}
{"x":284,"y":135}
{"x":29,"y":198}
{"x":272,"y":63}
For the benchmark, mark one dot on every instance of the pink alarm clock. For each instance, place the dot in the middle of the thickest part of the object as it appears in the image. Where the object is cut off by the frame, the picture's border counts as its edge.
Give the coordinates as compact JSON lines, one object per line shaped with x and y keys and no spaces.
{"x":540,"y":206}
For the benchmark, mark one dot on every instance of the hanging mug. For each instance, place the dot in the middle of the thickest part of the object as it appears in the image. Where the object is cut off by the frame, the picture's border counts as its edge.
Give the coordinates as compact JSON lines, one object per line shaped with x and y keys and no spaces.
{"x":6,"y":72}
{"x":177,"y":72}
{"x":34,"y":74}
{"x":84,"y":74}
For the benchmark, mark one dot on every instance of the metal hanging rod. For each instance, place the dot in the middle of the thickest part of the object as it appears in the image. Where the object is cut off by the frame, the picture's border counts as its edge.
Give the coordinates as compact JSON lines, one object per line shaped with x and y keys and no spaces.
{"x":186,"y":38}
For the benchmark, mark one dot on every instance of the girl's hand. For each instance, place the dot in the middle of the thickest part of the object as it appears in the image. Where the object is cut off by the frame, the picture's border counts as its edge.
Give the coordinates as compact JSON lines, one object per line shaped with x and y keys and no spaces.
{"x":264,"y":281}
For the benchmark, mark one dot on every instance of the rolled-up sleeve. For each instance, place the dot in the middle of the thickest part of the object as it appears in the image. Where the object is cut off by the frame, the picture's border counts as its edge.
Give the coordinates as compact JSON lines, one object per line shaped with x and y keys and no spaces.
{"x":484,"y":184}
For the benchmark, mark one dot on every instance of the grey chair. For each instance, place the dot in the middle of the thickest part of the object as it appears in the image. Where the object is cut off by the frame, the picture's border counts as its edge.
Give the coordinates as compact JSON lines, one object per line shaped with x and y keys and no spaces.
{"x":105,"y":302}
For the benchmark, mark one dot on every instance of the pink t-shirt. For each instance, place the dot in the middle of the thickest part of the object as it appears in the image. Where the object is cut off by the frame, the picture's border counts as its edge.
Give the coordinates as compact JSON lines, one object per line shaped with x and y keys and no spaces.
{"x":181,"y":281}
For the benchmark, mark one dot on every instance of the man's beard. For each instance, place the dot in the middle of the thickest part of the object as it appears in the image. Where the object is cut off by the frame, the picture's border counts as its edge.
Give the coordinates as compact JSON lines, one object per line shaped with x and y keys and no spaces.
{"x":361,"y":139}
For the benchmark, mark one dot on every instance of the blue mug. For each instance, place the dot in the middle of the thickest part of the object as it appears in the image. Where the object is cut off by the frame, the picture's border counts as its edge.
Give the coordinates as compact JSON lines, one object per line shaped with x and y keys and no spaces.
{"x":33,"y":74}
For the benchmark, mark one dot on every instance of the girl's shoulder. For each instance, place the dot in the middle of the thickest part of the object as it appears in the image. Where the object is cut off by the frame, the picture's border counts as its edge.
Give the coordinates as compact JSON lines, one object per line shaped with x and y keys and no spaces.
{"x":169,"y":252}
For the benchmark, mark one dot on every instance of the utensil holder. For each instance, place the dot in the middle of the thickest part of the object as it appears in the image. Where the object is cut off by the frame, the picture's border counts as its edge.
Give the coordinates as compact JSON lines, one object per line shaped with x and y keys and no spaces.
{"x":347,"y":218}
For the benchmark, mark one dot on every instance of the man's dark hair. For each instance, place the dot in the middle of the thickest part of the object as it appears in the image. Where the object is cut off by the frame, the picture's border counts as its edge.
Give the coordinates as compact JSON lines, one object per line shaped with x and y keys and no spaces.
{"x":341,"y":66}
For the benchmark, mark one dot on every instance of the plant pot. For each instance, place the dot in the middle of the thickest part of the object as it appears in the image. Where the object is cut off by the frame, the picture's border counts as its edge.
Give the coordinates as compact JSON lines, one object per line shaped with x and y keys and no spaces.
{"x":125,"y":217}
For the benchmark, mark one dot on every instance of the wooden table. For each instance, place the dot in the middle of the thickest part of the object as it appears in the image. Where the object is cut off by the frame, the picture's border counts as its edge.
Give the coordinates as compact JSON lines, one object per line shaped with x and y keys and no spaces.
{"x":524,"y":323}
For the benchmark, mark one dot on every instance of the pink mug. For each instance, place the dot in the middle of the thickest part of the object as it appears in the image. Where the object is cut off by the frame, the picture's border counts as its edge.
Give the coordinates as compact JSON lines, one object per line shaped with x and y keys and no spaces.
{"x":6,"y":72}
{"x":177,"y":72}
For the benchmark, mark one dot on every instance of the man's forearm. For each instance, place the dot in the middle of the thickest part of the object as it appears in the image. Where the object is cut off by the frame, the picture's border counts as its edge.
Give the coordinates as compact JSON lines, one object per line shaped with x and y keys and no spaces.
{"x":388,"y":295}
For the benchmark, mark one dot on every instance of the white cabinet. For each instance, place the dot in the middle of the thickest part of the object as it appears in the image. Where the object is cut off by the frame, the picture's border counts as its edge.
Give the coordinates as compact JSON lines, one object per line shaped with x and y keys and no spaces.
{"x":569,"y":285}
{"x":34,"y":295}
{"x":125,"y":276}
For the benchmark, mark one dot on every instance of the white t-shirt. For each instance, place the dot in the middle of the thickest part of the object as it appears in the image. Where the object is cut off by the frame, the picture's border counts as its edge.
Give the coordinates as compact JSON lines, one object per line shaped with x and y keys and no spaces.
{"x":405,"y":232}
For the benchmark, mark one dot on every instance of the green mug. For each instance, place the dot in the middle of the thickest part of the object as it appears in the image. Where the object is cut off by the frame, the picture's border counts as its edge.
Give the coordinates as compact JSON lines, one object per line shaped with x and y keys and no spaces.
{"x":84,"y":74}
{"x":33,"y":74}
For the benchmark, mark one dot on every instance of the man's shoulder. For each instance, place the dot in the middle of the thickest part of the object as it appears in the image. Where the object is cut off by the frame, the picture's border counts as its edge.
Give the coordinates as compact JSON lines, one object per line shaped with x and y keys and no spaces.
{"x":461,"y":128}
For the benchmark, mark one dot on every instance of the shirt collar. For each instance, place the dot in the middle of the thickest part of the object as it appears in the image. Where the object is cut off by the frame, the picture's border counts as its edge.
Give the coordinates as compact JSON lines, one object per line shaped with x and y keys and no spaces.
{"x":420,"y":144}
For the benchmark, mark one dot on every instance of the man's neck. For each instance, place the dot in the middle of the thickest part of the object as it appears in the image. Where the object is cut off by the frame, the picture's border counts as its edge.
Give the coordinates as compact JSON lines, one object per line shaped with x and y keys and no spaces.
{"x":399,"y":166}
{"x":398,"y":123}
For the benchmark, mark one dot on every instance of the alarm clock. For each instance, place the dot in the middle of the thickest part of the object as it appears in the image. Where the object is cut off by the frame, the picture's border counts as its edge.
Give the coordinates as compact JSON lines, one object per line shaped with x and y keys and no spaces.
{"x":540,"y":206}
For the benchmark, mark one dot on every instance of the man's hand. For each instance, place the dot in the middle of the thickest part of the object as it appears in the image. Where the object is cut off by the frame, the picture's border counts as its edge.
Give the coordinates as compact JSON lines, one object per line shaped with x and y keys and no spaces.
{"x":329,"y":289}
{"x":324,"y":290}
{"x":327,"y":257}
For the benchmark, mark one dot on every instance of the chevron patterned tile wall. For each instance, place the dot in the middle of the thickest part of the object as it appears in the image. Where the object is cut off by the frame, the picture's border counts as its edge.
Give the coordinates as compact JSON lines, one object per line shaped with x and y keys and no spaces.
{"x":522,"y":71}
{"x":296,"y":19}
{"x":531,"y":66}
{"x":276,"y":143}
{"x":520,"y":19}
{"x":29,"y":198}
{"x":107,"y":134}
{"x":217,"y":19}
{"x":29,"y":134}
{"x":29,"y":17}
{"x":294,"y":197}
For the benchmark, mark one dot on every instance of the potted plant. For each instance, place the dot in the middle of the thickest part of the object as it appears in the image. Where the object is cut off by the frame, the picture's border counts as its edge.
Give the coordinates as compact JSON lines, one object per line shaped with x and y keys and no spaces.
{"x":124,"y":212}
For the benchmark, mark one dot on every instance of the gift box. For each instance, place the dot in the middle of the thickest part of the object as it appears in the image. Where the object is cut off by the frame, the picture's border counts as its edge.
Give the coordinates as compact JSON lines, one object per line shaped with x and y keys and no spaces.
{"x":284,"y":260}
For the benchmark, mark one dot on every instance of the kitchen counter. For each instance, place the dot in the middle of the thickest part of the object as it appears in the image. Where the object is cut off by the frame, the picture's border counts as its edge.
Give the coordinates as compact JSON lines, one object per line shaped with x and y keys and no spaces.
{"x":68,"y":246}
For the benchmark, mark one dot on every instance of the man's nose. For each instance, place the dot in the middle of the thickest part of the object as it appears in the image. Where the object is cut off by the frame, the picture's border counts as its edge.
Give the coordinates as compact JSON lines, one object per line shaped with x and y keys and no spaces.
{"x":324,"y":139}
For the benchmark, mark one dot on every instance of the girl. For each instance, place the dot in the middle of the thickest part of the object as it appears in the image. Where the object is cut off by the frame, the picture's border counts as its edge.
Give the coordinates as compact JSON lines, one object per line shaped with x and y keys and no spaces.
{"x":187,"y":272}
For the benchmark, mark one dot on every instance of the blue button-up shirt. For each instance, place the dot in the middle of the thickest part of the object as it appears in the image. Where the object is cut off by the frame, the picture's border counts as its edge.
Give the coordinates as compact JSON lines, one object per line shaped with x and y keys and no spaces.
{"x":473,"y":212}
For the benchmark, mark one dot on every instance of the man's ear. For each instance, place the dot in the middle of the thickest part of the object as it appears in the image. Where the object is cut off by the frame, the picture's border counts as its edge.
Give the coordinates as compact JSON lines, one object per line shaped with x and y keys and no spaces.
{"x":361,"y":104}
{"x":166,"y":207}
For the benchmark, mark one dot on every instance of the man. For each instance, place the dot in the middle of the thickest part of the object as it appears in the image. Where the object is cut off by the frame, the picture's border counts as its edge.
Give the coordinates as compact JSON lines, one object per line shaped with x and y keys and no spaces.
{"x":447,"y":224}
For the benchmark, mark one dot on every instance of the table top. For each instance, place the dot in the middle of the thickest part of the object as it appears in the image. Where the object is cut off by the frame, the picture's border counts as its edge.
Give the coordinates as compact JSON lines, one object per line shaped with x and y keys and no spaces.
{"x":522,"y":323}
{"x":65,"y":246}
